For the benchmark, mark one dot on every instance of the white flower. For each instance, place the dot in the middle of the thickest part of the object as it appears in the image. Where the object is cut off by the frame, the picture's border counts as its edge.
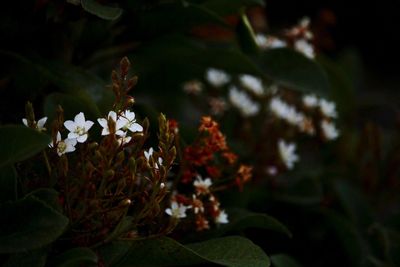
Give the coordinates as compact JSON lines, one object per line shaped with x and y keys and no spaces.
{"x":328,"y":108}
{"x":78,"y":128}
{"x":39,"y":125}
{"x":329,"y":130}
{"x":127,"y":119}
{"x":104,"y":123}
{"x":202,"y":186}
{"x":287,"y":153}
{"x":269,"y":42}
{"x":148,"y":153}
{"x":124,"y":139}
{"x":252,"y":83}
{"x":64,"y":146}
{"x":243,"y":102}
{"x":222,"y":217}
{"x":286,"y":112}
{"x":305,"y":48}
{"x":176,"y":210}
{"x":310,"y":101}
{"x":217,"y":77}
{"x":193,"y":87}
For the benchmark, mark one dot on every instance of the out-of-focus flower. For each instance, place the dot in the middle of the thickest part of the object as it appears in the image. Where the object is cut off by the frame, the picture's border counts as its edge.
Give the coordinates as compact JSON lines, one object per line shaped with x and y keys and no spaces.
{"x":329,"y":130}
{"x":202,"y":186}
{"x":217,"y":77}
{"x":287,"y":153}
{"x":193,"y":87}
{"x":217,"y":105}
{"x":269,"y":42}
{"x":243,"y":102}
{"x":284,"y":111}
{"x":222,"y":217}
{"x":39,"y":125}
{"x":176,"y":210}
{"x":124,"y":139}
{"x":305,"y":48}
{"x":63,"y":146}
{"x":148,"y":153}
{"x":328,"y":108}
{"x":310,"y":101}
{"x":252,"y":83}
{"x":78,"y":128}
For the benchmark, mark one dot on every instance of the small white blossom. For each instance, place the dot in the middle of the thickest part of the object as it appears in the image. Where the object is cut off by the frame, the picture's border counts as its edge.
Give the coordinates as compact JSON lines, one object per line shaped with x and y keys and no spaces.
{"x":222,"y":217}
{"x":217,"y":77}
{"x":104,"y":123}
{"x":127,"y":119}
{"x":124,"y":139}
{"x":78,"y":128}
{"x":310,"y":101}
{"x":39,"y":124}
{"x":243,"y":102}
{"x":176,"y":210}
{"x":193,"y":87}
{"x":329,"y":130}
{"x":305,"y":48}
{"x":286,"y":112}
{"x":64,"y":146}
{"x":202,"y":186}
{"x":271,"y":170}
{"x":269,"y":42}
{"x":287,"y":153}
{"x":148,"y":153}
{"x":252,"y":83}
{"x":328,"y":108}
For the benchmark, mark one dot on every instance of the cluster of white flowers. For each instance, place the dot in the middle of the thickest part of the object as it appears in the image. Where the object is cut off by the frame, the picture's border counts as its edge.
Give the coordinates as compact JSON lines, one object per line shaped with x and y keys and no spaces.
{"x":243,"y":102}
{"x":328,"y":110}
{"x":288,"y":113}
{"x":269,"y":42}
{"x":217,"y":77}
{"x":287,"y":153}
{"x":252,"y":83}
{"x":79,"y":129}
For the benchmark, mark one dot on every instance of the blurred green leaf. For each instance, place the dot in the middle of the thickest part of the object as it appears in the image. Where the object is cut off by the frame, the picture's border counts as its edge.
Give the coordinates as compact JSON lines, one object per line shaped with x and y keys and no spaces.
{"x":283,"y":260}
{"x":229,"y":251}
{"x":76,"y":257}
{"x":240,"y":219}
{"x":228,"y":7}
{"x":48,"y":196}
{"x":245,"y":35}
{"x":354,"y":203}
{"x":292,"y":69}
{"x":8,"y":183}
{"x":33,"y":258}
{"x":29,"y":224}
{"x":102,"y":11}
{"x":19,"y":143}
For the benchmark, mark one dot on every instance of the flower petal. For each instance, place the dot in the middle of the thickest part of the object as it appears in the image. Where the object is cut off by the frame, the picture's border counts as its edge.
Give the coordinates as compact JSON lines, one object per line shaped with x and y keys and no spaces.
{"x":70,"y":125}
{"x":80,"y":119}
{"x":136,"y":127}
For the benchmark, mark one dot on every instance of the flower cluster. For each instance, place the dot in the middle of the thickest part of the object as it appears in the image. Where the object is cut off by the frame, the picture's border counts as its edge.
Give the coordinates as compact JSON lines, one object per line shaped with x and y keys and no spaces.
{"x":298,"y":37}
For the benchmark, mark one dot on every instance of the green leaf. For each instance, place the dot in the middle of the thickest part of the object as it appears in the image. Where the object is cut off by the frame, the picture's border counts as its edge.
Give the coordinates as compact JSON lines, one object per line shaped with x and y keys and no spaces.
{"x":228,"y":7}
{"x":229,"y":251}
{"x":29,"y":224}
{"x":246,"y":36}
{"x":76,"y":257}
{"x":292,"y":69}
{"x":240,"y":219}
{"x":102,"y":11}
{"x":33,"y":258}
{"x":283,"y":260}
{"x":19,"y":143}
{"x":71,"y":105}
{"x":354,"y":203}
{"x":8,"y":183}
{"x":232,"y":251}
{"x":48,"y":196}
